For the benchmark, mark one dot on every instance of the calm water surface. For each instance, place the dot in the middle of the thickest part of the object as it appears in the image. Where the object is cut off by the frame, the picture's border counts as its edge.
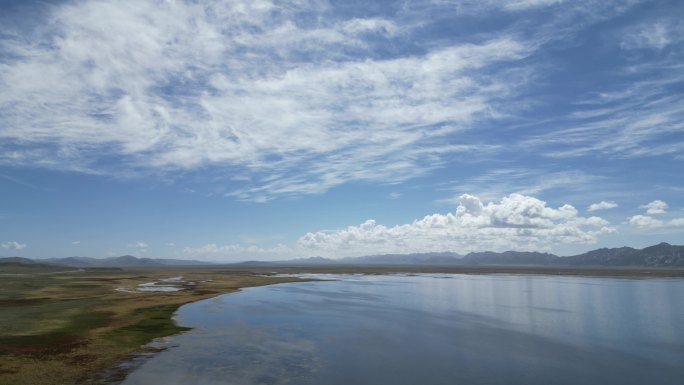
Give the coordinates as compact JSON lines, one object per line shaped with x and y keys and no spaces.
{"x":431,"y":329}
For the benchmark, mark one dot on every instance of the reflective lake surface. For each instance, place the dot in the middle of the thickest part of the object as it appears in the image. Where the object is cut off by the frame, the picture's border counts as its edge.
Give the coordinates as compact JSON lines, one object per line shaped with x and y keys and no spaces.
{"x":431,"y":329}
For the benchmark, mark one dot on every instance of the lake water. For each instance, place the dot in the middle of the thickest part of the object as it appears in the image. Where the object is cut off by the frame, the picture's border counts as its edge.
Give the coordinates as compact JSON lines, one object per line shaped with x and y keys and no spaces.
{"x":431,"y":329}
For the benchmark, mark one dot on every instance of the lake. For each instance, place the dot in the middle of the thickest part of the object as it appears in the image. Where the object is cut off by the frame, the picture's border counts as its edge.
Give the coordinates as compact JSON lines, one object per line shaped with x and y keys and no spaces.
{"x":431,"y":329}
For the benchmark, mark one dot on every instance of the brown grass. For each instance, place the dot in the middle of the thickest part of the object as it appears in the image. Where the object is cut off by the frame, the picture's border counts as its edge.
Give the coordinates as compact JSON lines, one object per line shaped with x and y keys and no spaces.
{"x":60,"y":329}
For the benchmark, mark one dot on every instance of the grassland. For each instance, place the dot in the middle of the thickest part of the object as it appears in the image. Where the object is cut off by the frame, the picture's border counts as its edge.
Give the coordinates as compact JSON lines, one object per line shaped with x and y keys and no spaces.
{"x":61,"y":327}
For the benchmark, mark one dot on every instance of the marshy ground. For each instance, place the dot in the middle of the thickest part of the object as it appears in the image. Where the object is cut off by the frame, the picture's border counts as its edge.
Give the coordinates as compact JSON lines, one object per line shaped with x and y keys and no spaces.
{"x":59,"y":328}
{"x":63,"y":325}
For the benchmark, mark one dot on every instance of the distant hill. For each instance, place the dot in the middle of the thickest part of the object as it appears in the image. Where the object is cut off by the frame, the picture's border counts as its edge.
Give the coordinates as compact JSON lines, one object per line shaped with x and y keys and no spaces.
{"x":17,"y":261}
{"x":128,"y":260}
{"x":309,"y":261}
{"x":406,"y":259}
{"x":510,"y":258}
{"x":19,"y":265}
{"x":72,"y":261}
{"x":122,"y":261}
{"x":602,"y":256}
{"x":445,"y":258}
{"x":660,"y":255}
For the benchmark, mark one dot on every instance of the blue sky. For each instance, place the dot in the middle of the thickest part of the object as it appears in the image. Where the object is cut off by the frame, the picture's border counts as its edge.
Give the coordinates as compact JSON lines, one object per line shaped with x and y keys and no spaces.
{"x":237,"y":130}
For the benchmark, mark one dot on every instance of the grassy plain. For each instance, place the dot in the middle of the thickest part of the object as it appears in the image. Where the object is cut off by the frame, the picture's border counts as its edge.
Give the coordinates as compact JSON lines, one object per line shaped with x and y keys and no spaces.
{"x":61,"y":327}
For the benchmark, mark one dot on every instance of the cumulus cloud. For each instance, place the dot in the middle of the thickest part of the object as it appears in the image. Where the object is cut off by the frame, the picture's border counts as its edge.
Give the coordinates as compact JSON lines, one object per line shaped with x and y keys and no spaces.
{"x":645,"y":221}
{"x":516,"y":222}
{"x":13,"y":245}
{"x":655,"y":207}
{"x":603,"y":205}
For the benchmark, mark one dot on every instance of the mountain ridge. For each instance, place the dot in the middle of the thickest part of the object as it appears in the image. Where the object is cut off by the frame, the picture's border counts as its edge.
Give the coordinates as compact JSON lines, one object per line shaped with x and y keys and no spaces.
{"x":121,"y":261}
{"x":660,"y":255}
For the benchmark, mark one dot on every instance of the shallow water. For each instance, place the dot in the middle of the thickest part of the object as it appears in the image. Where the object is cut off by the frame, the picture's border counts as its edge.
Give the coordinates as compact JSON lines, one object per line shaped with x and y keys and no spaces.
{"x":431,"y":329}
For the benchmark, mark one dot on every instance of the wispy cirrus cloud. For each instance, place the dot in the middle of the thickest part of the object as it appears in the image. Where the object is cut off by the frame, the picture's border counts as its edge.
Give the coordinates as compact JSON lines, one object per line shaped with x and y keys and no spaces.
{"x":526,"y":4}
{"x":638,"y":112}
{"x":131,"y":88}
{"x":297,"y":97}
{"x":653,"y":35}
{"x":498,"y":182}
{"x":642,"y":119}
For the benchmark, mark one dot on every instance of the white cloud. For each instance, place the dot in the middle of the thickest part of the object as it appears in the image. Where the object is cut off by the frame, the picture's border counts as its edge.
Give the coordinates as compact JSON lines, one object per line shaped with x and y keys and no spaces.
{"x":516,"y":222}
{"x":479,"y":7}
{"x":636,"y":121}
{"x":13,"y":245}
{"x":526,"y":4}
{"x":495,"y":183}
{"x":185,"y":85}
{"x":645,"y":221}
{"x":76,"y":242}
{"x":236,"y":253}
{"x":139,"y":245}
{"x":603,"y":205}
{"x":655,"y":207}
{"x":652,"y":35}
{"x":634,"y":115}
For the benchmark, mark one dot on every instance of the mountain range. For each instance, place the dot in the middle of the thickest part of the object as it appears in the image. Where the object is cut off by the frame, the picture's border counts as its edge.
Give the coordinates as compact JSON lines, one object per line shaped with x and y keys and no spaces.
{"x":123,"y":261}
{"x":660,"y":255}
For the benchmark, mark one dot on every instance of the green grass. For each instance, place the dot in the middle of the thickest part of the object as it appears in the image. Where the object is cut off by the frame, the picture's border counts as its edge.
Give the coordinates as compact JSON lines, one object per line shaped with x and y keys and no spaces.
{"x":61,"y":328}
{"x":154,"y":322}
{"x":44,"y":317}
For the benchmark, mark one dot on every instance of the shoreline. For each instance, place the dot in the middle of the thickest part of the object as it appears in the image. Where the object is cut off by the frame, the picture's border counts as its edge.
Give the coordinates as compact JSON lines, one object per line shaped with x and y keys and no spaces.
{"x":120,"y":325}
{"x":71,"y":328}
{"x":139,"y":358}
{"x":117,"y":374}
